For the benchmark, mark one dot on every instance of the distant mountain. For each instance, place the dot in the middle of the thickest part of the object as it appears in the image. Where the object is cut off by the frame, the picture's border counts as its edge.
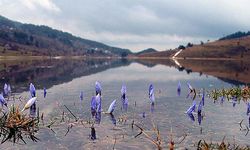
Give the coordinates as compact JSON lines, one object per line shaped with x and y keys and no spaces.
{"x":27,"y":39}
{"x":149,"y":50}
{"x":166,"y":54}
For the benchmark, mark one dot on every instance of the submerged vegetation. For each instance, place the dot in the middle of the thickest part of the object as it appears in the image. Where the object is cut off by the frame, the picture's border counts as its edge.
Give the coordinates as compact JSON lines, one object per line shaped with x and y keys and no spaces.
{"x":237,"y":93}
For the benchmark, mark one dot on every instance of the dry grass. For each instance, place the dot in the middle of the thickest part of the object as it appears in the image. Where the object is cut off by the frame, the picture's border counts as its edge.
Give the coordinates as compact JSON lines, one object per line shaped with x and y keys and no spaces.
{"x":14,"y":126}
{"x":157,"y":142}
{"x":203,"y":145}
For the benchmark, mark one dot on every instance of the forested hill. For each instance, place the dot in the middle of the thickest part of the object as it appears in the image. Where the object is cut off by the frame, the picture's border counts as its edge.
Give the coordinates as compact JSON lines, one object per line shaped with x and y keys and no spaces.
{"x":27,"y":39}
{"x":235,"y":35}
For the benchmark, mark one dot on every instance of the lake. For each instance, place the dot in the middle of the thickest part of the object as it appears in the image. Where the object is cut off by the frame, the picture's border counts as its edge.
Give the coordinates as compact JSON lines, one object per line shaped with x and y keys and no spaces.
{"x":64,"y":79}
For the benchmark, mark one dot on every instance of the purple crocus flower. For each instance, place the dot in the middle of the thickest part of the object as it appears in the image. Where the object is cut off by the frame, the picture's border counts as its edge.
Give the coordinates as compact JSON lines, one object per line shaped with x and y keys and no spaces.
{"x":203,"y":97}
{"x":123,"y":90}
{"x":188,"y":95}
{"x":81,"y":96}
{"x":190,"y":87}
{"x":179,"y":89}
{"x":192,"y":90}
{"x":98,"y":88}
{"x":125,"y":101}
{"x":5,"y":89}
{"x":234,"y":100}
{"x":191,"y":108}
{"x":32,"y":90}
{"x":2,"y":100}
{"x":44,"y":92}
{"x":152,"y":108}
{"x":125,"y":107}
{"x":191,"y":116}
{"x":248,"y":108}
{"x":33,"y":111}
{"x":200,"y":107}
{"x":33,"y":94}
{"x":151,"y":94}
{"x":9,"y":89}
{"x":112,"y":107}
{"x":93,"y":106}
{"x":93,"y":134}
{"x":199,"y":118}
{"x":249,"y":121}
{"x":222,"y":99}
{"x":124,"y":98}
{"x":98,"y":103}
{"x":123,"y":94}
{"x":98,"y":117}
{"x":143,"y":114}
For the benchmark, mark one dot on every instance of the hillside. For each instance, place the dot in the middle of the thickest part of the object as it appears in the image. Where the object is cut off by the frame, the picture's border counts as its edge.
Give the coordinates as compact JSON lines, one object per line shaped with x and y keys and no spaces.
{"x":236,"y":48}
{"x":164,"y":54}
{"x":26,"y":39}
{"x":235,"y":35}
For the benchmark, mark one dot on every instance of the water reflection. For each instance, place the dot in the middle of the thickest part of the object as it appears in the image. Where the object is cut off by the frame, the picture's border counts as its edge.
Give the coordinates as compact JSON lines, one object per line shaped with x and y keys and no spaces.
{"x":98,"y":117}
{"x":152,"y":107}
{"x":124,"y":107}
{"x":33,"y":111}
{"x":65,"y":82}
{"x":49,"y":72}
{"x":93,"y":133}
{"x":143,"y":115}
{"x":112,"y":118}
{"x":199,"y":118}
{"x":191,"y":116}
{"x":179,"y":89}
{"x":44,"y":92}
{"x":234,"y":72}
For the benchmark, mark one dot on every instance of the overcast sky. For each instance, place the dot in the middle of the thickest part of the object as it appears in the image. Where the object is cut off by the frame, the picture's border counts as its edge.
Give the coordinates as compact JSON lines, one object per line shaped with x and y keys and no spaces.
{"x":135,"y":24}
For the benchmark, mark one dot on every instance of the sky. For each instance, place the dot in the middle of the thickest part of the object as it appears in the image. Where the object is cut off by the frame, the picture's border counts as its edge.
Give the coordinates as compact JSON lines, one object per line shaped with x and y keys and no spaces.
{"x":135,"y":24}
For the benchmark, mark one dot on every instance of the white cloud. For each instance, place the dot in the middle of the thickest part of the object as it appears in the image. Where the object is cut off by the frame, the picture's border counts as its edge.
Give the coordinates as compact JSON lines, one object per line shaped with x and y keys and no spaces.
{"x":36,"y":4}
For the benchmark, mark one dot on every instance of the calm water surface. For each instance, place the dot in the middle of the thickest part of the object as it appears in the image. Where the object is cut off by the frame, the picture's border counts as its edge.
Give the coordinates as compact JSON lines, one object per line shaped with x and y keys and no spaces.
{"x":65,"y":79}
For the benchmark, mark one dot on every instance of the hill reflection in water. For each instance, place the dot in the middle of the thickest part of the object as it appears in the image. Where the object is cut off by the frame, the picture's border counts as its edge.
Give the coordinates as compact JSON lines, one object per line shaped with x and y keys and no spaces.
{"x":49,"y":72}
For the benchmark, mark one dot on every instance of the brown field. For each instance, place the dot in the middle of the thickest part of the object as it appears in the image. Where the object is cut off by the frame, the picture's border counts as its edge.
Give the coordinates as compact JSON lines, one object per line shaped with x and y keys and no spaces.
{"x":235,"y":48}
